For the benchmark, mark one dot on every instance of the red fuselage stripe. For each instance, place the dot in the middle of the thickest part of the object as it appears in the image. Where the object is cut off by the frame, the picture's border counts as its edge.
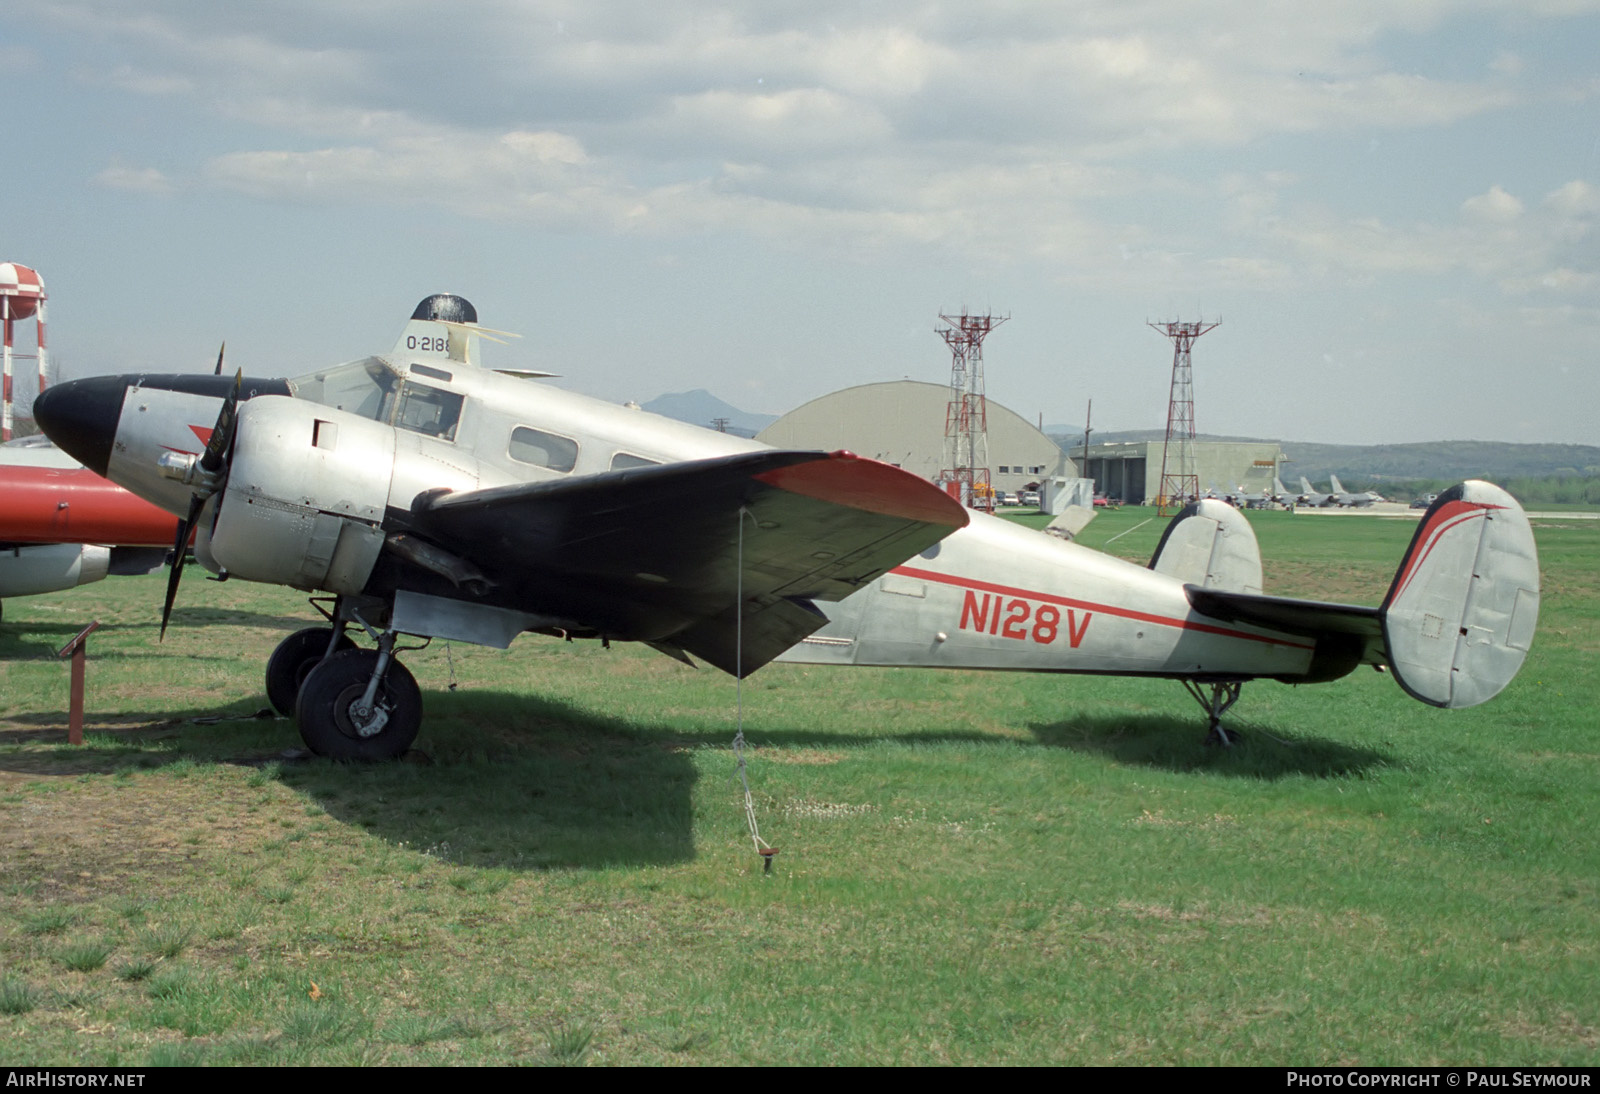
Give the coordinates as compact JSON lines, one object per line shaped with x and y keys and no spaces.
{"x":1088,"y":606}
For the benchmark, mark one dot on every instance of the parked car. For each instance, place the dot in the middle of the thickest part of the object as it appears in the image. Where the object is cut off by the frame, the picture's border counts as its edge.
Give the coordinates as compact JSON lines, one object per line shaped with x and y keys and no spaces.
{"x":1425,"y":501}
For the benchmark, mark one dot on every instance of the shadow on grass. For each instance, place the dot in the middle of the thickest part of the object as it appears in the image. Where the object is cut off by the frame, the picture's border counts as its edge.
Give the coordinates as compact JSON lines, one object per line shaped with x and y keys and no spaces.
{"x":504,"y":781}
{"x":207,"y":617}
{"x":1178,"y":744}
{"x":39,"y":640}
{"x":514,"y":781}
{"x":36,"y":640}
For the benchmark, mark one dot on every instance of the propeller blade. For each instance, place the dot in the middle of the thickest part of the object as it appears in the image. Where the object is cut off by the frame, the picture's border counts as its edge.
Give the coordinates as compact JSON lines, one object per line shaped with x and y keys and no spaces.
{"x":220,"y":352}
{"x":222,"y":435}
{"x":213,"y":460}
{"x":180,"y":550}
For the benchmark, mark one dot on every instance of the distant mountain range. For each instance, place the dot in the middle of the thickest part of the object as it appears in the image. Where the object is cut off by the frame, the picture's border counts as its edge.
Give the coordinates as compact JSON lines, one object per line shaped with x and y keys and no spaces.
{"x":700,"y":407}
{"x":1422,"y":460}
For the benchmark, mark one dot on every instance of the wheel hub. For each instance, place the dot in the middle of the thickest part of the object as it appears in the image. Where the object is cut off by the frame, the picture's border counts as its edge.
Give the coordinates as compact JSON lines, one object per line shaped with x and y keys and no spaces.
{"x":355,"y":722}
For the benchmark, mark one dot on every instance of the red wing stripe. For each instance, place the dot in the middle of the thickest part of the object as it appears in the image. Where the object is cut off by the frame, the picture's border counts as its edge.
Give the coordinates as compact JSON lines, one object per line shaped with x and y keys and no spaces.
{"x":1088,"y":606}
{"x":844,"y":478}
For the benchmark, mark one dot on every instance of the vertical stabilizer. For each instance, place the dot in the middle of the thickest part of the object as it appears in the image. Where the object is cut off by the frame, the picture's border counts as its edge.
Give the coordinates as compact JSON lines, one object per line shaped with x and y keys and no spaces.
{"x":1459,"y":618}
{"x":445,"y":326}
{"x":1212,"y":545}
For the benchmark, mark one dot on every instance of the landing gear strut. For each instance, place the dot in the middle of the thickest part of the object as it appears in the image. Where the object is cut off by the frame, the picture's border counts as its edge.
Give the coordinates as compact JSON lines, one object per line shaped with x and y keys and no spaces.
{"x":1224,"y":693}
{"x":351,"y":704}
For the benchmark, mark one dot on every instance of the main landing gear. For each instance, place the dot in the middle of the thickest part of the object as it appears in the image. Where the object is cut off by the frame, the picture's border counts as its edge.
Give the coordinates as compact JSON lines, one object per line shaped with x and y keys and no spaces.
{"x":350,"y":703}
{"x":294,"y":659}
{"x":1224,"y":693}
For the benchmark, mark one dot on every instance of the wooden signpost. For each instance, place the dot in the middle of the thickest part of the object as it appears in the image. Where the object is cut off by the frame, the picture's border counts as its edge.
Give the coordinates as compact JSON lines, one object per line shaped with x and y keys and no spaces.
{"x":77,"y":649}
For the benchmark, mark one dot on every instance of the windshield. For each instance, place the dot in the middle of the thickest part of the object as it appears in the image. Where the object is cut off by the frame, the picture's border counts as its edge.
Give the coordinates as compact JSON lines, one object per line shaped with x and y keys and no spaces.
{"x":373,"y":389}
{"x":363,"y":387}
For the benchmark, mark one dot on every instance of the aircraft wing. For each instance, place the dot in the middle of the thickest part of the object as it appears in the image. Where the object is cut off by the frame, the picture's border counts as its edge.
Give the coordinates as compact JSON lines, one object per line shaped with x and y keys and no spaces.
{"x":668,"y":554}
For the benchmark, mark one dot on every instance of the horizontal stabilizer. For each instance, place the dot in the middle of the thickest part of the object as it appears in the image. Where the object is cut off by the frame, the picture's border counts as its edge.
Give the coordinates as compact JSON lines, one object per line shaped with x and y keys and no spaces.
{"x":1460,"y":616}
{"x":1307,"y":618}
{"x":1346,"y":635}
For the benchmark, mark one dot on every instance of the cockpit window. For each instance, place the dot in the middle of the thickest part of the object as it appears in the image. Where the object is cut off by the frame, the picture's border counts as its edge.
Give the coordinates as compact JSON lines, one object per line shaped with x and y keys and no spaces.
{"x":429,"y":411}
{"x":373,"y":389}
{"x":364,"y":387}
{"x":624,"y":460}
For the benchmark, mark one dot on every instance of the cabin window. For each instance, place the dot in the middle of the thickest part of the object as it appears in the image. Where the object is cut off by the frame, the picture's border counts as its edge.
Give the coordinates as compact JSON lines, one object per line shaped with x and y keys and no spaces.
{"x":622,"y":461}
{"x":543,"y":449}
{"x":429,"y":411}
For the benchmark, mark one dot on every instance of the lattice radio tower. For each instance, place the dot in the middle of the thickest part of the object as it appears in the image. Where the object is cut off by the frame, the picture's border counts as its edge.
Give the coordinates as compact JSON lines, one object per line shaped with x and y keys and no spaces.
{"x":966,"y":419}
{"x":1180,"y":478}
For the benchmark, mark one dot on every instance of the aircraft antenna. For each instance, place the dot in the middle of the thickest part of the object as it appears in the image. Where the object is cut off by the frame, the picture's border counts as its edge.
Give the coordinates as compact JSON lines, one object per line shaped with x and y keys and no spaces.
{"x":966,"y":419}
{"x":763,"y":848}
{"x":1180,"y":476}
{"x":22,"y":296}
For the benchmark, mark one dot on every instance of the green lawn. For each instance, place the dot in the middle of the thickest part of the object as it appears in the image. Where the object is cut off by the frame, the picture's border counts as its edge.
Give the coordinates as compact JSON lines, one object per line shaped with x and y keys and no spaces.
{"x":974,"y":867}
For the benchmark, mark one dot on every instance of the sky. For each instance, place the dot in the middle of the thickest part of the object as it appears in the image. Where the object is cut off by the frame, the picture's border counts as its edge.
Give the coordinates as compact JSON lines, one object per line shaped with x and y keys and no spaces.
{"x":1389,"y":205}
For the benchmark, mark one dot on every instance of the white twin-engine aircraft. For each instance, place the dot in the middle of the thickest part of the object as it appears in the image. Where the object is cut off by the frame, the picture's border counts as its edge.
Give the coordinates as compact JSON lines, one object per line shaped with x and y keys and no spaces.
{"x":440,"y":499}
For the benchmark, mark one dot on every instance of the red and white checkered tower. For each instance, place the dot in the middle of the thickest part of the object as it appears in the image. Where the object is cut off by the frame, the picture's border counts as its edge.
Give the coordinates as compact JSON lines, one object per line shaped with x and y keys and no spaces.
{"x":1180,"y":476}
{"x":966,"y":420}
{"x":21,"y":297}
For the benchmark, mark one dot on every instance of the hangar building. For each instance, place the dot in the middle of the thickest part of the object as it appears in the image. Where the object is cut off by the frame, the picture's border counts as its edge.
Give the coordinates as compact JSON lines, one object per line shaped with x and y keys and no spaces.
{"x":1131,"y":470}
{"x":902,"y":422}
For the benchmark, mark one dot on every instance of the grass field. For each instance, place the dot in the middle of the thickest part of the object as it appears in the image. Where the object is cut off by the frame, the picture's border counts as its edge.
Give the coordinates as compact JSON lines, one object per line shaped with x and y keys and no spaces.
{"x":974,"y":868}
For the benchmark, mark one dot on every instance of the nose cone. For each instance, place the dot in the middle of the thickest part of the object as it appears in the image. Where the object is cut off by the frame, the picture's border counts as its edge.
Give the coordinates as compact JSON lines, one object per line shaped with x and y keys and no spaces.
{"x":81,"y":417}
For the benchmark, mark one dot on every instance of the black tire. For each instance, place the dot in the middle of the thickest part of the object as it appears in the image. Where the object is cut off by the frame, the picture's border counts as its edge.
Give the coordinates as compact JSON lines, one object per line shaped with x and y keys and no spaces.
{"x":331,"y":688}
{"x":296,"y":656}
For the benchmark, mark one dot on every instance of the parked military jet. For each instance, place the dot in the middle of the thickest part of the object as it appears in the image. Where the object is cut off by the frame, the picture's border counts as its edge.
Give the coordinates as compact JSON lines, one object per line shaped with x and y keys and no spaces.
{"x":1244,"y":499}
{"x":440,"y":499}
{"x":1308,"y":496}
{"x":1348,"y":499}
{"x":61,"y":525}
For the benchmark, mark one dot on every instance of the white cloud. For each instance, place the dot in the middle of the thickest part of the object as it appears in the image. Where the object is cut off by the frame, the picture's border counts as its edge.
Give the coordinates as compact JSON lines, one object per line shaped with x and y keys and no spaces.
{"x":535,"y":177}
{"x":1495,"y":207}
{"x":1575,"y":199}
{"x":784,"y":124}
{"x":140,"y":180}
